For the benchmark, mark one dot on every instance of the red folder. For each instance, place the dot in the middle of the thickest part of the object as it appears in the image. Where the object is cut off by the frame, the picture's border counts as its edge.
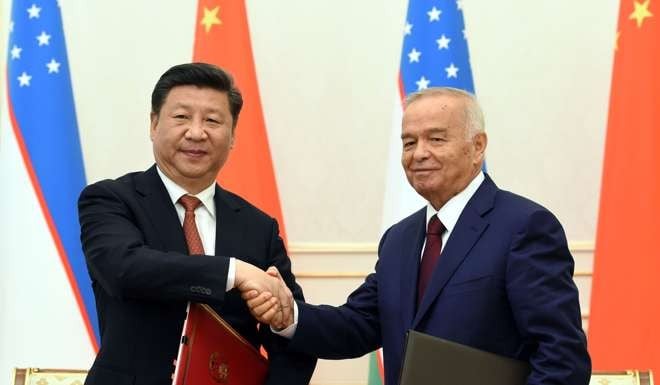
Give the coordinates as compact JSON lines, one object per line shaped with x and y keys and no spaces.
{"x":213,"y":353}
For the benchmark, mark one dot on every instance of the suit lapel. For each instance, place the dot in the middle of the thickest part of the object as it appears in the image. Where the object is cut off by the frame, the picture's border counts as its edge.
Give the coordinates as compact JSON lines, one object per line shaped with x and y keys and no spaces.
{"x":230,"y":229}
{"x":160,"y":210}
{"x":411,"y":250}
{"x":466,"y":233}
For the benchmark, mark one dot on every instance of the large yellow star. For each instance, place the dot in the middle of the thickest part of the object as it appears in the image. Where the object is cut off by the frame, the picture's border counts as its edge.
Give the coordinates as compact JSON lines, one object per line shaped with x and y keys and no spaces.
{"x":640,"y":13}
{"x":210,"y":18}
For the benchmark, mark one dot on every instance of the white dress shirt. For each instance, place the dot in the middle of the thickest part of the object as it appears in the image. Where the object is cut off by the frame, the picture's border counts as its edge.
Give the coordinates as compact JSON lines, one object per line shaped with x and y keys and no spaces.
{"x":205,"y":218}
{"x":449,"y":213}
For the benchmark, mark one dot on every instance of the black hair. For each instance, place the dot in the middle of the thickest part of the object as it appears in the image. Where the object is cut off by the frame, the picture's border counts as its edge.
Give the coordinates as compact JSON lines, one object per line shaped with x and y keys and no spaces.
{"x":200,"y":75}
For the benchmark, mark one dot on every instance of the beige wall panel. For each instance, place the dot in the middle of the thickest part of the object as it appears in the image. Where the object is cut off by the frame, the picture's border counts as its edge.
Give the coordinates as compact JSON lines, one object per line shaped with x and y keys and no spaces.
{"x":327,"y":75}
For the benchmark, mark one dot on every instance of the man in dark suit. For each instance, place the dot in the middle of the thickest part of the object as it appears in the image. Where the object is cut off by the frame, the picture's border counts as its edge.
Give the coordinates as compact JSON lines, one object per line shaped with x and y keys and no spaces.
{"x":141,"y":263}
{"x":502,"y":282}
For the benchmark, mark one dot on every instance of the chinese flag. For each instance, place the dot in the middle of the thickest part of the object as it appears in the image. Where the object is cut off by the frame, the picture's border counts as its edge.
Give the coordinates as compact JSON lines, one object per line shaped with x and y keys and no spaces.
{"x":624,"y":327}
{"x":222,"y":37}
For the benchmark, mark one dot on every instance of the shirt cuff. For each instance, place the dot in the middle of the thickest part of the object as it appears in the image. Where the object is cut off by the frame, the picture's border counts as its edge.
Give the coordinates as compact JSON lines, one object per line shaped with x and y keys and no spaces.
{"x":289,"y":331}
{"x":231,"y":274}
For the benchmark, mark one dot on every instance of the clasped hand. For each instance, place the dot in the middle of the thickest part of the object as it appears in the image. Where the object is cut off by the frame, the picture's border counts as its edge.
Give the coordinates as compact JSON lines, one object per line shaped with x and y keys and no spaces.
{"x":269,"y":299}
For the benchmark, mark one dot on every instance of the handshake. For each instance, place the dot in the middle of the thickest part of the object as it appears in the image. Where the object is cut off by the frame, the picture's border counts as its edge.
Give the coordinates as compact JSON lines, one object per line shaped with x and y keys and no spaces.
{"x":269,"y":299}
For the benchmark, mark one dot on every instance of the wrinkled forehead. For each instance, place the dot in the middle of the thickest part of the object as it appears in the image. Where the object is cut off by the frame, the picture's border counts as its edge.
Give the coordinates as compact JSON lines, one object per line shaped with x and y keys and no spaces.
{"x":438,"y":100}
{"x":448,"y":110}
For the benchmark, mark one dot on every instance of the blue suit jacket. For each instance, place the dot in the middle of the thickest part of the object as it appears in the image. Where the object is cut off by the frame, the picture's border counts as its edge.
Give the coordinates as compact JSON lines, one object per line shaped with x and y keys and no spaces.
{"x":503,"y":284}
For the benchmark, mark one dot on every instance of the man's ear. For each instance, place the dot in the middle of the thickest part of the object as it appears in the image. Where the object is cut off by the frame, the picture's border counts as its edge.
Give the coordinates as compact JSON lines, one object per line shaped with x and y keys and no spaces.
{"x":480,"y":141}
{"x":153,"y":118}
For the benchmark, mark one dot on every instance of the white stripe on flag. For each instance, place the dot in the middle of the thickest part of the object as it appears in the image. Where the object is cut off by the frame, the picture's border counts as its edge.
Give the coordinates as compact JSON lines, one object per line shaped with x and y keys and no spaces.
{"x":401,"y":199}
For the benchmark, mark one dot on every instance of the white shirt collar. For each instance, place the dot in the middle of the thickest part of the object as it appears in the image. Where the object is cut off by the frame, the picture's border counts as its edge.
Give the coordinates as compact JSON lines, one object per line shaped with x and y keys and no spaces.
{"x":175,"y":192}
{"x":449,"y":213}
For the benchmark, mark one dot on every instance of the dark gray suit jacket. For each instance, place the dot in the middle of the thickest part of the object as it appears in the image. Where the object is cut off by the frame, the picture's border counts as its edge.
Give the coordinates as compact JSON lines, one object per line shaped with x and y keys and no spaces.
{"x":143,"y":277}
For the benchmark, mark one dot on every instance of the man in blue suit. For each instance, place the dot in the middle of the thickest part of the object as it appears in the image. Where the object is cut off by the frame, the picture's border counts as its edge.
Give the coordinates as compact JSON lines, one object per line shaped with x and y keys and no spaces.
{"x":502,"y":281}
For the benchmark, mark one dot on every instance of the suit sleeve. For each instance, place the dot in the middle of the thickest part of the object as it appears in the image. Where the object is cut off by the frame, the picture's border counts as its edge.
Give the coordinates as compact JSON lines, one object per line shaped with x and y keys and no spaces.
{"x":545,"y":304}
{"x":347,"y":331}
{"x":286,"y":367}
{"x":121,"y":262}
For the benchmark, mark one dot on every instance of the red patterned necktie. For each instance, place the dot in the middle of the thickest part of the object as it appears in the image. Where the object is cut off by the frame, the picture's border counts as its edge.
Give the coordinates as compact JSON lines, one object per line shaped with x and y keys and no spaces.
{"x":190,"y":203}
{"x":430,"y":255}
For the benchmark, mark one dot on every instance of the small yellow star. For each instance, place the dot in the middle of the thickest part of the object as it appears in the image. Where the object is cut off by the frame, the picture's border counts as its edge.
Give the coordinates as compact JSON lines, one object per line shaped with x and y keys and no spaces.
{"x":616,"y":41}
{"x":640,"y":13}
{"x":210,"y":18}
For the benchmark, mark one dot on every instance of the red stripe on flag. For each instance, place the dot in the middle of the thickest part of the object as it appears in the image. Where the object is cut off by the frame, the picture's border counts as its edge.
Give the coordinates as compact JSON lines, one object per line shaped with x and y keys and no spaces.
{"x":625,"y":312}
{"x":402,"y":93}
{"x":51,"y":224}
{"x":222,"y":37}
{"x":381,"y":366}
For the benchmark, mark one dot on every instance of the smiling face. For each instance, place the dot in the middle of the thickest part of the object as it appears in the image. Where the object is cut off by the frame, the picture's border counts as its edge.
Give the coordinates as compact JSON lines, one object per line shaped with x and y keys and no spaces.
{"x":192,"y":135}
{"x":438,"y":157}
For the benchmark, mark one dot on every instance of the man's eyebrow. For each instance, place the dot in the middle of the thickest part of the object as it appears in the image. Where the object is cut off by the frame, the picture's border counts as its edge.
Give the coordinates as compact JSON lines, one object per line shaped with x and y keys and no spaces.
{"x":438,"y":129}
{"x":180,"y":104}
{"x":432,"y":130}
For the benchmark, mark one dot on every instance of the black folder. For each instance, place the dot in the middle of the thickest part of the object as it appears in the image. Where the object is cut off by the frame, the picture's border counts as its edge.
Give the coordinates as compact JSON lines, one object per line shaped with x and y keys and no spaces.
{"x":432,"y":360}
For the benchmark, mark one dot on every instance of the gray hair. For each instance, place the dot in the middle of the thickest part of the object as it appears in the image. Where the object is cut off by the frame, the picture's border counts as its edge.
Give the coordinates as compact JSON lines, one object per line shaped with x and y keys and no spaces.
{"x":474,"y":116}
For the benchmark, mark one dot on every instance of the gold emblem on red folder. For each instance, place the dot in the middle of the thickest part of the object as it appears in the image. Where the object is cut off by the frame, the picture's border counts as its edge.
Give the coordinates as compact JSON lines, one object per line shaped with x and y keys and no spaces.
{"x":218,"y":369}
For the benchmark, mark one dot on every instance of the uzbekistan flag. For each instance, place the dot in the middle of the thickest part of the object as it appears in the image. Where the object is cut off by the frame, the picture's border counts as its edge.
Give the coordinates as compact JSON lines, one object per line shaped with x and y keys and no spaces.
{"x":48,"y":315}
{"x":434,"y":54}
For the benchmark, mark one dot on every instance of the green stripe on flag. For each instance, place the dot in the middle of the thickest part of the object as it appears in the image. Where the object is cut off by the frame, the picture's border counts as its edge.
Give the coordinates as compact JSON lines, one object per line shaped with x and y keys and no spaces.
{"x":374,"y":376}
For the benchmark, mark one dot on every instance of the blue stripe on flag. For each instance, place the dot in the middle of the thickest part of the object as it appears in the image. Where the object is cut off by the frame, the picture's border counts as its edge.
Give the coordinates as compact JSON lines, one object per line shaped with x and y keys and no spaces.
{"x":41,"y":98}
{"x":435,"y":50}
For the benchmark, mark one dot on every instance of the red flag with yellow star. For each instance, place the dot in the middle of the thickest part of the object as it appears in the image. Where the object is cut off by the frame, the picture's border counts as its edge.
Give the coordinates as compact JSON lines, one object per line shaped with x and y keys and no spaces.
{"x":624,"y":327}
{"x":222,"y":37}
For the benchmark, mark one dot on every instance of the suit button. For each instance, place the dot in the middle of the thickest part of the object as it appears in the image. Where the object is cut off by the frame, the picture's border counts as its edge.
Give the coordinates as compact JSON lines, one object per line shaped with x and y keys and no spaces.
{"x":201,"y":290}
